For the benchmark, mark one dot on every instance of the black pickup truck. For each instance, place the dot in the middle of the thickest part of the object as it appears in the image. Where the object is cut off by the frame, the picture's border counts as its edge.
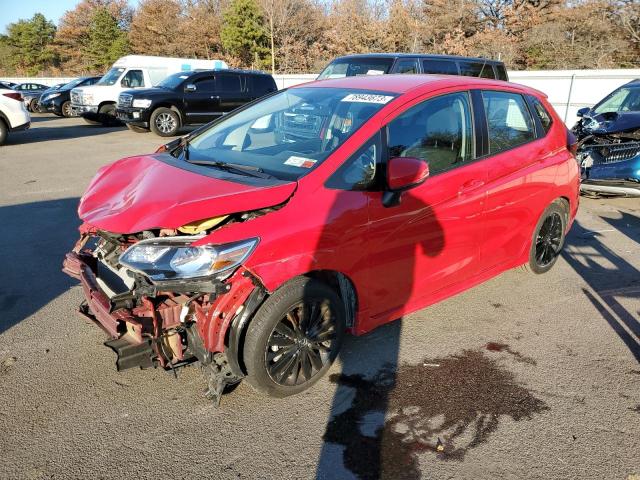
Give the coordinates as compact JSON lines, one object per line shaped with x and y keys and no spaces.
{"x":188,"y":98}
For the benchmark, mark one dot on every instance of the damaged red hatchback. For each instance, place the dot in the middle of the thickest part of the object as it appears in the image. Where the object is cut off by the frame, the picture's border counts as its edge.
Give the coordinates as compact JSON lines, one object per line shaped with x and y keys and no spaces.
{"x":253,"y":245}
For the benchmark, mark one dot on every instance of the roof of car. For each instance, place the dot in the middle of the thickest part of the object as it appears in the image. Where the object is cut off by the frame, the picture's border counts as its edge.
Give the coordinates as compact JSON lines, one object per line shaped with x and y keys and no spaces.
{"x":418,"y":55}
{"x":232,"y":70}
{"x":398,"y":83}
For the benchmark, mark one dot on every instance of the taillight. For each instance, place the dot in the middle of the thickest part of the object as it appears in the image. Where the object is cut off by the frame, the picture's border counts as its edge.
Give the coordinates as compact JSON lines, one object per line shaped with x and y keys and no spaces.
{"x":14,"y":95}
{"x":572,"y":143}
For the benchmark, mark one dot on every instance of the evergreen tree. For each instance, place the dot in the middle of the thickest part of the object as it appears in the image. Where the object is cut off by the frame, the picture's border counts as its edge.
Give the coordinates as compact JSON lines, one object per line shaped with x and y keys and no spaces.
{"x":244,"y":35}
{"x":106,"y":40}
{"x":29,"y":42}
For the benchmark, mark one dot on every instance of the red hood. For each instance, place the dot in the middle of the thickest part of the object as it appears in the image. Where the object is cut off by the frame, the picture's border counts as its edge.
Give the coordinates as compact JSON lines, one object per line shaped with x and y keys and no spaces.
{"x":140,"y":193}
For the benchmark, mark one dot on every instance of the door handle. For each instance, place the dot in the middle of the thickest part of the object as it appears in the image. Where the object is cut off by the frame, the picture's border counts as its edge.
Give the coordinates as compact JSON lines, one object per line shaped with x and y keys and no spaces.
{"x":470,"y":185}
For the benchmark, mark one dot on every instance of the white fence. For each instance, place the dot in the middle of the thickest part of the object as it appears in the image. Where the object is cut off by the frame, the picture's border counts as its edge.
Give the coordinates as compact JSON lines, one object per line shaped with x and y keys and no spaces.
{"x":568,"y":90}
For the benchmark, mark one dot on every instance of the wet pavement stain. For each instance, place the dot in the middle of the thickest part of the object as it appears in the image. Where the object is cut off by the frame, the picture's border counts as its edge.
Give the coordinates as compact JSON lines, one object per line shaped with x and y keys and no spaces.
{"x":503,"y":347}
{"x":445,"y":406}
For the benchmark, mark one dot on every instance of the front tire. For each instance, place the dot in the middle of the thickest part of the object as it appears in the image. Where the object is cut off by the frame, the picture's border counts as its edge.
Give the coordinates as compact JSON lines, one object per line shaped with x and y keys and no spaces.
{"x":107,"y":114}
{"x":548,"y":238}
{"x":294,"y":338}
{"x":66,"y":110}
{"x":33,"y":105}
{"x":164,"y":122}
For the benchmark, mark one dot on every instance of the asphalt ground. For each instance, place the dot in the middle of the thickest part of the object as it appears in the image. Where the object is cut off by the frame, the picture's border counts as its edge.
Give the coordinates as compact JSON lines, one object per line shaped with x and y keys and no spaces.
{"x":524,"y":376}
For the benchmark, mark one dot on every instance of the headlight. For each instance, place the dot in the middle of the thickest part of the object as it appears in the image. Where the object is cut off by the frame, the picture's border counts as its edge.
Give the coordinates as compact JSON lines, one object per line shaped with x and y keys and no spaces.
{"x":51,"y":95}
{"x":87,"y":99}
{"x":141,"y":103}
{"x":174,"y":258}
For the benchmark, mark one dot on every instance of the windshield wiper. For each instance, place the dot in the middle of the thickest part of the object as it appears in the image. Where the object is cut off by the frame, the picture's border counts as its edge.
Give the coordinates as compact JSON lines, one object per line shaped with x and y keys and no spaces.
{"x":242,"y":169}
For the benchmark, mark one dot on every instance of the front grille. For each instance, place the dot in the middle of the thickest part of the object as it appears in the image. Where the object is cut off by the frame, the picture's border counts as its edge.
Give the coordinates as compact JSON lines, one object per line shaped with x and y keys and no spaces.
{"x":613,"y":153}
{"x":75,"y":98}
{"x":124,"y":100}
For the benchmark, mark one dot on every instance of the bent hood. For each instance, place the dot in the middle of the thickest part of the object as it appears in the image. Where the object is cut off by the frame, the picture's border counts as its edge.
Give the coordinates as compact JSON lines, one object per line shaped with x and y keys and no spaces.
{"x":612,"y":122}
{"x":159,"y":191}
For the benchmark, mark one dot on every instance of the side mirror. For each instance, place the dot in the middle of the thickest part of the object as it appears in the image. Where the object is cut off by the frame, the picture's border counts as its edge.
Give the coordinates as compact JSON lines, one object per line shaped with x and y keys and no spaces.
{"x":583,"y":111}
{"x":190,"y":87}
{"x":403,"y":173}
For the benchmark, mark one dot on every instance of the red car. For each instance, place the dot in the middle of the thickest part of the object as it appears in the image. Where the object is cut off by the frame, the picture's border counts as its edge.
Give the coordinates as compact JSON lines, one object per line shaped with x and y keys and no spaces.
{"x":338,"y":205}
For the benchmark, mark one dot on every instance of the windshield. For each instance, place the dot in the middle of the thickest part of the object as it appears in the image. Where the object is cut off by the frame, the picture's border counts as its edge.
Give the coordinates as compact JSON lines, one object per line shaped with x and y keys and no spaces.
{"x":621,"y":100}
{"x":72,"y":83}
{"x":350,"y":67}
{"x":289,"y":133}
{"x":172,"y":81}
{"x":111,"y":76}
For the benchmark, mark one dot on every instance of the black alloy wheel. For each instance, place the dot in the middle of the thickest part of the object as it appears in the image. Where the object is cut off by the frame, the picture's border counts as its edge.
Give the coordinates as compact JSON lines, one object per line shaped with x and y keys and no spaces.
{"x":300,"y":345}
{"x":548,"y":240}
{"x":548,"y":237}
{"x":294,"y":337}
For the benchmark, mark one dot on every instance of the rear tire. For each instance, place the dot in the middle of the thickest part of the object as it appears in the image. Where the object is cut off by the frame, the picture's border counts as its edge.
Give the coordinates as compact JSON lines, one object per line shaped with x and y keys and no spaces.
{"x":294,"y":337}
{"x":3,"y":132}
{"x":164,"y":122}
{"x":133,"y":128}
{"x":548,"y":238}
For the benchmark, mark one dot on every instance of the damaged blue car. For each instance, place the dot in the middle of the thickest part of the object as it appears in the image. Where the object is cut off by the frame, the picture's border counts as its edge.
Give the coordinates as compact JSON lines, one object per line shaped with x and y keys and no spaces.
{"x":609,"y":143}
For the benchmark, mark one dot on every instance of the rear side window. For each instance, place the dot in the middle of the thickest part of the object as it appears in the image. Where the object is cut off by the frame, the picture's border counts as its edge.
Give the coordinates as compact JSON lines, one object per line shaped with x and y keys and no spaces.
{"x":509,"y":122}
{"x":502,"y":73}
{"x":406,"y":66}
{"x":543,"y":115}
{"x":262,"y":84}
{"x":438,"y":131}
{"x":476,"y":69}
{"x":442,"y":67}
{"x":228,"y":83}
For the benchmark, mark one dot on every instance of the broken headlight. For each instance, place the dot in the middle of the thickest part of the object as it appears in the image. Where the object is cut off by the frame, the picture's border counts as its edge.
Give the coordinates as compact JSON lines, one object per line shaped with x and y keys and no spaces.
{"x":175,"y":258}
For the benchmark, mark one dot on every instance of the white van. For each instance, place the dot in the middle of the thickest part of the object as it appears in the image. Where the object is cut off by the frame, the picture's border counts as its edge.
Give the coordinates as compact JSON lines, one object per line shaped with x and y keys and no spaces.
{"x":97,"y":103}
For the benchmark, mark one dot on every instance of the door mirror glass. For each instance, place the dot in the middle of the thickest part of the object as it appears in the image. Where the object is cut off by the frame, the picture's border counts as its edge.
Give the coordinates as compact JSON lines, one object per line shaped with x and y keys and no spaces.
{"x":190,"y":87}
{"x":406,"y":172}
{"x":583,"y":111}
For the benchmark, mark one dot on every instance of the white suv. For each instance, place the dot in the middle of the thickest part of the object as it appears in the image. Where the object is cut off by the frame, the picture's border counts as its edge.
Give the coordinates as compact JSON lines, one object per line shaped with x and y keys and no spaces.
{"x":13,"y":114}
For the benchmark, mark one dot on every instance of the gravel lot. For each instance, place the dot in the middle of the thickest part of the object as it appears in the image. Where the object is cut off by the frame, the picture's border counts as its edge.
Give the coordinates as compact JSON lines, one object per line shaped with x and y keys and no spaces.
{"x":522,"y":377}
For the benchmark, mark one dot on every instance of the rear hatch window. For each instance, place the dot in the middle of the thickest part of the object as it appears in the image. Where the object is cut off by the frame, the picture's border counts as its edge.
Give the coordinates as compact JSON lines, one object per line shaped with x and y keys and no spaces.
{"x":351,"y":67}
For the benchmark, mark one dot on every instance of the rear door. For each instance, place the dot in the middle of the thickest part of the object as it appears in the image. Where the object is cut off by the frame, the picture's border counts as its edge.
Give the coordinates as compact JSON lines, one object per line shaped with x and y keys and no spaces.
{"x":520,"y":174}
{"x":231,"y":90}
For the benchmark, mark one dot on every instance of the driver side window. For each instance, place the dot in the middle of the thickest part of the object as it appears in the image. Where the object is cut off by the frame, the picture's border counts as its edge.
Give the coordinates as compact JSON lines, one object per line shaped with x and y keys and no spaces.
{"x":359,"y":171}
{"x":133,"y":79}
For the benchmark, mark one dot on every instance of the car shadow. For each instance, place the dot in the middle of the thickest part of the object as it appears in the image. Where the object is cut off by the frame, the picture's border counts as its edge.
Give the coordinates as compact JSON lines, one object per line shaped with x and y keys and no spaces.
{"x":36,"y":135}
{"x":40,"y":118}
{"x":37,"y":237}
{"x":611,"y":279}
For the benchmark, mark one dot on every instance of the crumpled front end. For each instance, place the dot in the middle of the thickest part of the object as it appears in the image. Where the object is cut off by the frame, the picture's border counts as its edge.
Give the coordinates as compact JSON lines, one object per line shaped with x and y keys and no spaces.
{"x":609,"y":154}
{"x":170,"y":323}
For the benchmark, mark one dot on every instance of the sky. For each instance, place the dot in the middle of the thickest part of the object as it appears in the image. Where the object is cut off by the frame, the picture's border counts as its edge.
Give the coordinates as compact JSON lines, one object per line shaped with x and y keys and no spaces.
{"x":13,"y":10}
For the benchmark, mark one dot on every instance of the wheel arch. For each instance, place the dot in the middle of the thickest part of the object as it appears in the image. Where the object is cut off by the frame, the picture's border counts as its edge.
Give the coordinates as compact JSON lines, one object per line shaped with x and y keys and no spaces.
{"x":171,"y":106}
{"x":106,"y":102}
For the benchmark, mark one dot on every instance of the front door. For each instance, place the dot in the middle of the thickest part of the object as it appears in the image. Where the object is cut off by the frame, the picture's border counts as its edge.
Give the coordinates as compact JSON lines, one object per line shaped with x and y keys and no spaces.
{"x":202,"y":104}
{"x":431,"y":240}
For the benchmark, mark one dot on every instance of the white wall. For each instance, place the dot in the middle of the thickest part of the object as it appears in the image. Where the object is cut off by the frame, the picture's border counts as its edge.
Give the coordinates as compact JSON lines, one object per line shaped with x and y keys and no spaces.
{"x":568,"y":90}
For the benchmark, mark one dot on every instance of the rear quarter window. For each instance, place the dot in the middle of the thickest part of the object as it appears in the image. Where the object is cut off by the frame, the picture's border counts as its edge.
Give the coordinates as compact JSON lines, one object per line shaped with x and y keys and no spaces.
{"x":476,"y":69}
{"x":546,"y":120}
{"x":262,"y":84}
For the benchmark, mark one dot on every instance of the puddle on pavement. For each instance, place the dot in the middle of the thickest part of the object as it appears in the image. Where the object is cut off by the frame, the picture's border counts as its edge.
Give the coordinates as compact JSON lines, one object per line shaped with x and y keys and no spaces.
{"x":445,"y":406}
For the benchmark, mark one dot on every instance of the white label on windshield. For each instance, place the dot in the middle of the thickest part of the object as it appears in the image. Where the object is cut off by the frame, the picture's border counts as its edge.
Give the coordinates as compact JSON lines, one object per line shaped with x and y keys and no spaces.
{"x":300,"y":162}
{"x":375,"y":72}
{"x":367,"y":98}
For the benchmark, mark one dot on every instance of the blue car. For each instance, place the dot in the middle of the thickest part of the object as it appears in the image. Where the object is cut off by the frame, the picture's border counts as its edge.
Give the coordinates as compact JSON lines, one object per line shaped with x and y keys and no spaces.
{"x":609,"y":143}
